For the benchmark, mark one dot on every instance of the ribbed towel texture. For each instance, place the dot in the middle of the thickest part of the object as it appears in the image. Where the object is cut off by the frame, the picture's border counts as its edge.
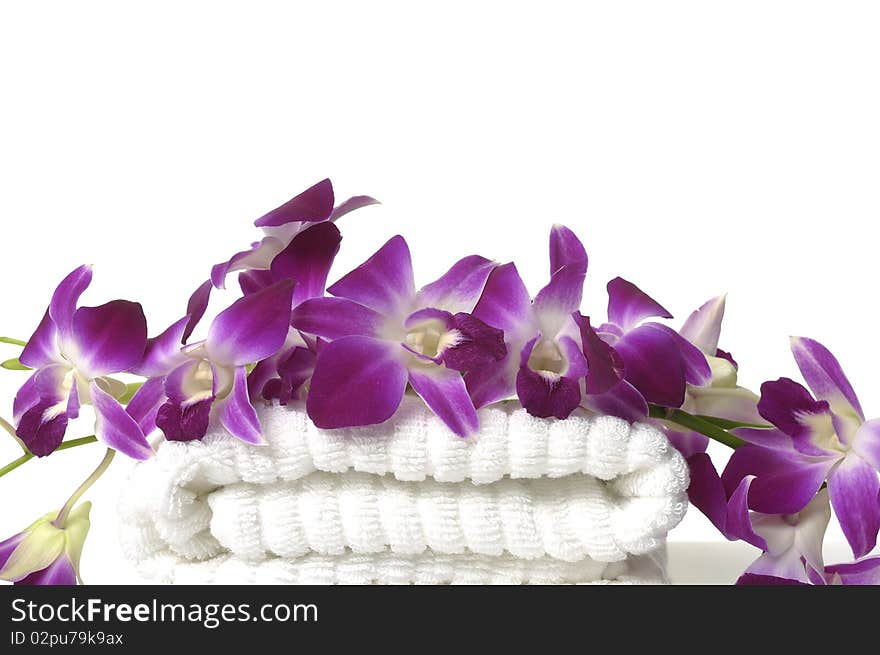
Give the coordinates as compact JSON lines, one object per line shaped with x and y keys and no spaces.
{"x":526,"y":500}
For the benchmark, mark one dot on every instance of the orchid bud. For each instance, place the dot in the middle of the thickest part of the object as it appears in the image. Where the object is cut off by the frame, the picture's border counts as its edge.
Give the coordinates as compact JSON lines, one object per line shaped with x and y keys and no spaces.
{"x":44,"y":553}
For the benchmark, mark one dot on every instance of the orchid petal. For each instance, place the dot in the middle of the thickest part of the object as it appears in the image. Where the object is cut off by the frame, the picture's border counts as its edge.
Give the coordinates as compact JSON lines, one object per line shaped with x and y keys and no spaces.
{"x":784,"y":482}
{"x":253,"y":280}
{"x":59,"y":573}
{"x":784,"y":568}
{"x":854,"y":487}
{"x":26,"y":397}
{"x":357,"y":381}
{"x":703,"y":327}
{"x":8,"y":546}
{"x":628,"y":305}
{"x":42,"y":409}
{"x":42,"y":348}
{"x":238,"y":415}
{"x":732,"y":403}
{"x":766,"y":438}
{"x":312,"y":205}
{"x":812,"y":522}
{"x":307,"y":260}
{"x":544,"y":394}
{"x":493,"y":383}
{"x":755,"y":579}
{"x":184,"y":422}
{"x":864,"y":572}
{"x":460,"y":287}
{"x":653,"y":365}
{"x":352,"y":204}
{"x":604,"y":365}
{"x":66,"y":297}
{"x":144,"y":405}
{"x":116,"y":428}
{"x":163,"y":353}
{"x":445,"y":393}
{"x":384,"y":282}
{"x":566,"y":250}
{"x":196,"y":308}
{"x":477,"y":345}
{"x":252,"y":328}
{"x":867,"y":442}
{"x":557,"y":301}
{"x":790,"y":407}
{"x":333,"y":318}
{"x":687,"y":443}
{"x":505,"y":303}
{"x":825,"y":377}
{"x":259,"y":256}
{"x":110,"y":338}
{"x":739,"y":521}
{"x":622,"y":400}
{"x":697,"y":371}
{"x":706,"y":492}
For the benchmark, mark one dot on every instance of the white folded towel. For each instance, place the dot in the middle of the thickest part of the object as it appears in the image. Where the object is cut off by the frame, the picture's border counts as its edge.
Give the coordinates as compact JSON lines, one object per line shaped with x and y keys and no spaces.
{"x":525,"y":500}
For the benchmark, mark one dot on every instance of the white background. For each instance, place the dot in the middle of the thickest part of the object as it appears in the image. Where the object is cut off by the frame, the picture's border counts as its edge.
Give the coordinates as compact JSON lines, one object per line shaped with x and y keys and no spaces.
{"x":696,"y":148}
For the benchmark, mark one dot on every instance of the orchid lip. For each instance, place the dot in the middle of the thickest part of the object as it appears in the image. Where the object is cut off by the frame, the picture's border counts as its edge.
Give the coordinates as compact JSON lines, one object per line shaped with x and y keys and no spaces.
{"x":547,"y":359}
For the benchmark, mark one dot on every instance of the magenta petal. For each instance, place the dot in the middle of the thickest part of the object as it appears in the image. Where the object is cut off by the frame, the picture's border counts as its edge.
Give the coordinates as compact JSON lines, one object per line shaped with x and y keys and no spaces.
{"x":144,"y":405}
{"x":460,"y":287}
{"x":784,"y":482}
{"x":252,"y":281}
{"x":706,"y":492}
{"x":687,"y":443}
{"x":622,"y":400}
{"x":824,"y":376}
{"x":66,"y":297}
{"x":865,"y":572}
{"x":196,"y":308}
{"x":493,"y":383}
{"x":8,"y":546}
{"x":110,"y":338}
{"x":445,"y":393}
{"x":628,"y":305}
{"x":116,"y":428}
{"x":237,"y":414}
{"x":653,"y":365}
{"x":26,"y":397}
{"x":253,"y":327}
{"x":384,"y":282}
{"x":184,"y":421}
{"x":703,"y":327}
{"x":42,"y":348}
{"x":352,"y":204}
{"x":505,"y":302}
{"x":760,"y":580}
{"x":333,"y":318}
{"x":696,"y":368}
{"x":357,"y":381}
{"x":42,"y":409}
{"x":867,"y":442}
{"x":566,"y":250}
{"x":791,"y":408}
{"x":545,"y":394}
{"x":307,"y":260}
{"x":854,"y":488}
{"x":739,"y":521}
{"x":766,"y":438}
{"x":477,"y":345}
{"x":604,"y":365}
{"x":58,"y":573}
{"x":557,"y":301}
{"x":312,"y":205}
{"x":163,"y":353}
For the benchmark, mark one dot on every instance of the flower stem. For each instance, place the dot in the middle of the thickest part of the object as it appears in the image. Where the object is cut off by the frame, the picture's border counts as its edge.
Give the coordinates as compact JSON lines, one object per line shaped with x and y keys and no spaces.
{"x":13,"y":342}
{"x":6,"y":425}
{"x":84,"y":487}
{"x":73,"y":443}
{"x":696,"y":424}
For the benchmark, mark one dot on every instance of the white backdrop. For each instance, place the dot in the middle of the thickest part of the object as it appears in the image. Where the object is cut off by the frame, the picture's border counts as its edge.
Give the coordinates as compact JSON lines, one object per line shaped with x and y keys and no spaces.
{"x":696,"y":148}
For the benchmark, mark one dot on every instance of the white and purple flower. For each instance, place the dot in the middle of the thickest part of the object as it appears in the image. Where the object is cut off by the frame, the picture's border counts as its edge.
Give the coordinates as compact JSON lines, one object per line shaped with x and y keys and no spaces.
{"x":815,"y":440}
{"x":382,"y":335}
{"x":74,"y":351}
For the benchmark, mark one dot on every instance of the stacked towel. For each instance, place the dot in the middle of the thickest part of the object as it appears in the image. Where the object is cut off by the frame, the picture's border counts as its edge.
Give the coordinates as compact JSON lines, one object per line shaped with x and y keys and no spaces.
{"x":526,"y":500}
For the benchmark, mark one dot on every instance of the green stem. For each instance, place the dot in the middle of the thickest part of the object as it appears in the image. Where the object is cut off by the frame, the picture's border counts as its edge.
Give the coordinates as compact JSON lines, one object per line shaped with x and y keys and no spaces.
{"x":73,"y":443}
{"x":84,"y":487}
{"x":13,"y":342}
{"x":697,"y":424}
{"x":6,"y":425}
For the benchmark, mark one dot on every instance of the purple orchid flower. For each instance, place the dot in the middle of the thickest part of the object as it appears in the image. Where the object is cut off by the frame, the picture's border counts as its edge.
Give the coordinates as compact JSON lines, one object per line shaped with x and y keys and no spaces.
{"x":188,"y":385}
{"x":74,"y":350}
{"x":44,"y":553}
{"x":813,"y":441}
{"x":383,"y":334}
{"x":284,"y":376}
{"x":792,"y":543}
{"x":546,"y":339}
{"x":280,"y":227}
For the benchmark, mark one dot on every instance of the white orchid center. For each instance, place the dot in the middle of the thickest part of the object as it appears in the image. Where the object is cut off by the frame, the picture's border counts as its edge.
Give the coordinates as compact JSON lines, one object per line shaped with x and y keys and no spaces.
{"x":430,"y":338}
{"x":547,"y":359}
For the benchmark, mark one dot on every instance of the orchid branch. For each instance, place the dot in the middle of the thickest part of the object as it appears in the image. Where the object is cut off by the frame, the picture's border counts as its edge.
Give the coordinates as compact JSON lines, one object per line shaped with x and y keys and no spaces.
{"x":73,"y":443}
{"x":13,"y":342}
{"x":84,"y":487}
{"x":703,"y":425}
